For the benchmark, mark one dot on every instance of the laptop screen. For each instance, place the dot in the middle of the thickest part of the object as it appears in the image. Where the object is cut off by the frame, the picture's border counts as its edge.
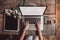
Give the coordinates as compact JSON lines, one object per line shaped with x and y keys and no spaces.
{"x":32,"y":10}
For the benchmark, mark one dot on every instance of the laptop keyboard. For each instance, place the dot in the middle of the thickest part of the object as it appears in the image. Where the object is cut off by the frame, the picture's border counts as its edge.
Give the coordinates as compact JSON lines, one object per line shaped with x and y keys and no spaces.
{"x":32,"y":20}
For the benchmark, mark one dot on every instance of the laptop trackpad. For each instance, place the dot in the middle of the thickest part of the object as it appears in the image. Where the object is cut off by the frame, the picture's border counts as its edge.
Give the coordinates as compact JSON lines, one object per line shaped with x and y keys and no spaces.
{"x":32,"y":27}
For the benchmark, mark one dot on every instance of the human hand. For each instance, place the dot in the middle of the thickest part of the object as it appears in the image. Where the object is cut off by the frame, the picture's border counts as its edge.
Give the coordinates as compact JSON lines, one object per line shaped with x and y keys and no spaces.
{"x":37,"y":24}
{"x":26,"y":24}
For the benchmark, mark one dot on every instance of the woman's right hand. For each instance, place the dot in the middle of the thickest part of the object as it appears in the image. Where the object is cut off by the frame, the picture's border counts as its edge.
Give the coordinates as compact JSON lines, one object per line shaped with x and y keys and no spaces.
{"x":37,"y":24}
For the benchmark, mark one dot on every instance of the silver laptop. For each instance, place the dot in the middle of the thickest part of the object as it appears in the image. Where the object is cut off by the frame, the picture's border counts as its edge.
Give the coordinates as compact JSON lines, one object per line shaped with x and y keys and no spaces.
{"x":32,"y":14}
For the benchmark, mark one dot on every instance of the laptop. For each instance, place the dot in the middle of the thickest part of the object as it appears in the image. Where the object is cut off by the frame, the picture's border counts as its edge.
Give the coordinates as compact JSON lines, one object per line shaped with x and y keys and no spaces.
{"x":32,"y":14}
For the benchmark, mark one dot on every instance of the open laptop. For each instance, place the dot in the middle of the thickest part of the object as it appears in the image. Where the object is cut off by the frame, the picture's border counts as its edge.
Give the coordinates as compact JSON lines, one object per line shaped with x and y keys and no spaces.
{"x":32,"y":14}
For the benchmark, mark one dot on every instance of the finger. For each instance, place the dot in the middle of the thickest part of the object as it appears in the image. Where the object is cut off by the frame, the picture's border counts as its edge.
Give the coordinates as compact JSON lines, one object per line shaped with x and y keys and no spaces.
{"x":37,"y":21}
{"x":27,"y":22}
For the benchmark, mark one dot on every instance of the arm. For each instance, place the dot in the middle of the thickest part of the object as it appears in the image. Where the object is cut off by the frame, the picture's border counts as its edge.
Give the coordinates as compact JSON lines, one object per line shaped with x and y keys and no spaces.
{"x":26,"y":25}
{"x":38,"y":30}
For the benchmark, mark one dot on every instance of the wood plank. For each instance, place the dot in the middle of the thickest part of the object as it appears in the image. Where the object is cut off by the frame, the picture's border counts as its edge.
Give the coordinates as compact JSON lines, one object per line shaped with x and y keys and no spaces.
{"x":1,"y":15}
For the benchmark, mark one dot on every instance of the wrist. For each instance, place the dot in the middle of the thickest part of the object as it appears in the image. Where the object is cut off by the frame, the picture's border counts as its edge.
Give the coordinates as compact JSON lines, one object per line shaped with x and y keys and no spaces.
{"x":38,"y":27}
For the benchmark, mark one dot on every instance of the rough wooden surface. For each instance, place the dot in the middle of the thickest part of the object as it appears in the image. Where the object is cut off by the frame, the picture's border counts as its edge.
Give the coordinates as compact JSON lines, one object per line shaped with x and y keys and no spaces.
{"x":58,"y":18}
{"x":50,"y":11}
